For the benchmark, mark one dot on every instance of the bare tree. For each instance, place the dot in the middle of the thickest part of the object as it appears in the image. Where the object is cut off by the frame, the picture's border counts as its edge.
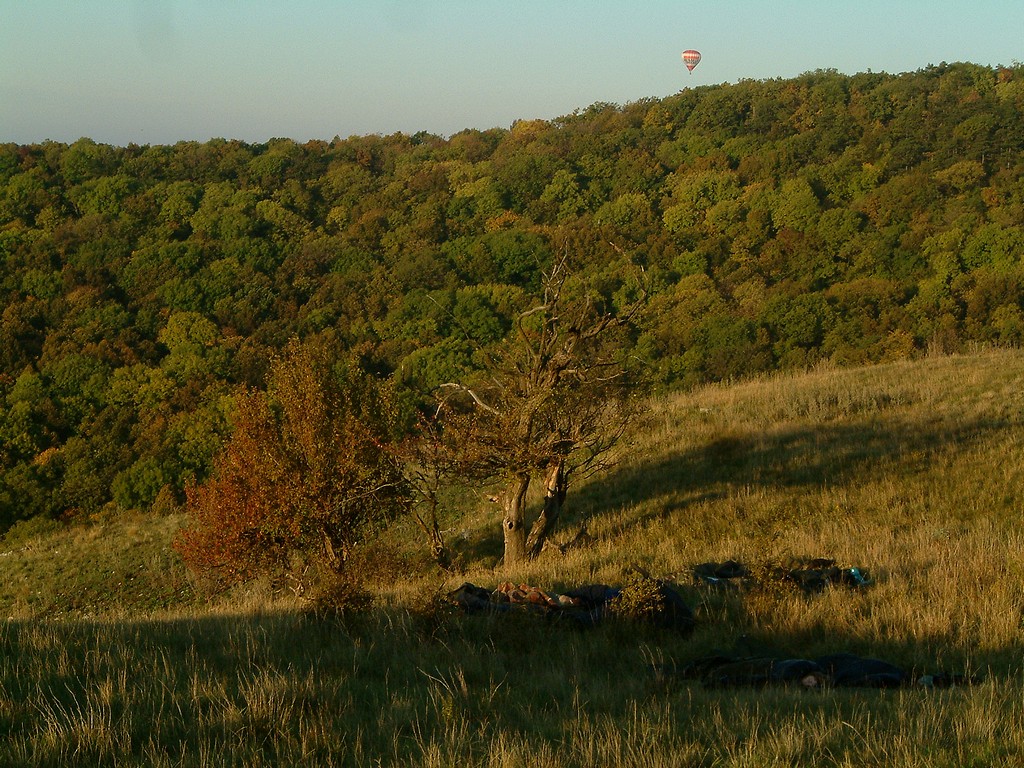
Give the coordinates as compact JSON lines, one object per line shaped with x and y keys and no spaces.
{"x":554,"y":399}
{"x":431,"y":464}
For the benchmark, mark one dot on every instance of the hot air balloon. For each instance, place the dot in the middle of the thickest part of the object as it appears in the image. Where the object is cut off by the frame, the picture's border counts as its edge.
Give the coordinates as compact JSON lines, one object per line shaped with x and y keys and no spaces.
{"x":691,"y":58}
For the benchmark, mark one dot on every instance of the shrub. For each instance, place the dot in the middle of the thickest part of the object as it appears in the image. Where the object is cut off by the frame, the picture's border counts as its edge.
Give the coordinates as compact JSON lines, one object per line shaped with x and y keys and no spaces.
{"x":306,"y":475}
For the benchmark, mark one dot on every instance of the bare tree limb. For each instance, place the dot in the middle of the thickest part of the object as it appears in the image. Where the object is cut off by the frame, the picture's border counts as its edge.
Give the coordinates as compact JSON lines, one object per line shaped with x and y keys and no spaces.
{"x":476,"y":398}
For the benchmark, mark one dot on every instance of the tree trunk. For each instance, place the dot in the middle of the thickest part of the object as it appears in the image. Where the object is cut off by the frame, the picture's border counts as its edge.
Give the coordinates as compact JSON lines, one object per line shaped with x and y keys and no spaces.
{"x":554,"y":496}
{"x":438,"y":550}
{"x":440,"y":553}
{"x":513,"y":502}
{"x":334,"y":551}
{"x":428,"y":524}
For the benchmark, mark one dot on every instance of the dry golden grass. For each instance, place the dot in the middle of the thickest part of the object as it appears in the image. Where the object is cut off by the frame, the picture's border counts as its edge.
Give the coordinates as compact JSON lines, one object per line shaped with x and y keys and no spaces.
{"x":912,"y":470}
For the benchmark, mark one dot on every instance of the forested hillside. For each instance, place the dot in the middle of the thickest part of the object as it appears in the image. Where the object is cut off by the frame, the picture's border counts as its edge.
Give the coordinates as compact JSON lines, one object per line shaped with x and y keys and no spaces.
{"x":774,"y":224}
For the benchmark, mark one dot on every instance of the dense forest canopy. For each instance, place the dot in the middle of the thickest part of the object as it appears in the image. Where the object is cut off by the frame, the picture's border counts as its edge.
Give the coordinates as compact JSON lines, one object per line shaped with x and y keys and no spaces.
{"x":775,"y":223}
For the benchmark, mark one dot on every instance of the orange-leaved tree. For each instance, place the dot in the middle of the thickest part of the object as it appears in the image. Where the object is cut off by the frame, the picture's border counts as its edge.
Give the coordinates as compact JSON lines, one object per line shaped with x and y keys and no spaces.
{"x":307,"y":473}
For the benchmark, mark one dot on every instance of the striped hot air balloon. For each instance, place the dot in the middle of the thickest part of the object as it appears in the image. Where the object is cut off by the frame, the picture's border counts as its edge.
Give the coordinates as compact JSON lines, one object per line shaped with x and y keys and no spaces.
{"x":691,"y":58}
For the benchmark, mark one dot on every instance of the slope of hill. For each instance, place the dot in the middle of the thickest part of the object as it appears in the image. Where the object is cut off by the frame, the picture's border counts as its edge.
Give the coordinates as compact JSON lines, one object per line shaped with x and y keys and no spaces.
{"x":911,"y":470}
{"x":898,"y":467}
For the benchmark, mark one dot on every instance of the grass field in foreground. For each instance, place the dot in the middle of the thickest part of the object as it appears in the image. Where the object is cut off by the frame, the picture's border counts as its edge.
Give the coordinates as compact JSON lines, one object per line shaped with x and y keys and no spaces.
{"x":911,"y":470}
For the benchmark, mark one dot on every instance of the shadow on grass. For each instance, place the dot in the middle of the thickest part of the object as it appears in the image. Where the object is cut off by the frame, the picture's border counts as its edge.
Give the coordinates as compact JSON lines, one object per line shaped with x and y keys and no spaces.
{"x":738,"y":624}
{"x":483,"y":548}
{"x":284,"y":688}
{"x":814,"y":457}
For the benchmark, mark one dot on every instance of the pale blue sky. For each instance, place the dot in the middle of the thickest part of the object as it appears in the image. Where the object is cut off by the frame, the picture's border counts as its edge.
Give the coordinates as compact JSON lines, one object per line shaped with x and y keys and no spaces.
{"x":159,"y":71}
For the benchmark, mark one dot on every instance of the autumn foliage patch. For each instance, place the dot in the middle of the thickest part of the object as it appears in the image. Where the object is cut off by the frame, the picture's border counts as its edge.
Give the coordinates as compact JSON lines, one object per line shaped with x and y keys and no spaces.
{"x":307,"y":472}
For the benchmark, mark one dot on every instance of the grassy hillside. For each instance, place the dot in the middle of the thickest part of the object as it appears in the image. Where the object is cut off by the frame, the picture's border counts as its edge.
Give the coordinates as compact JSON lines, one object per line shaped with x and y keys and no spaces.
{"x":910,"y":470}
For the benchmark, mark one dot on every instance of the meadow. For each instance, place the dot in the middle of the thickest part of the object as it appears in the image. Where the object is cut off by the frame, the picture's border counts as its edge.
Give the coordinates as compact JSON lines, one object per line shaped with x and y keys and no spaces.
{"x":110,"y":654}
